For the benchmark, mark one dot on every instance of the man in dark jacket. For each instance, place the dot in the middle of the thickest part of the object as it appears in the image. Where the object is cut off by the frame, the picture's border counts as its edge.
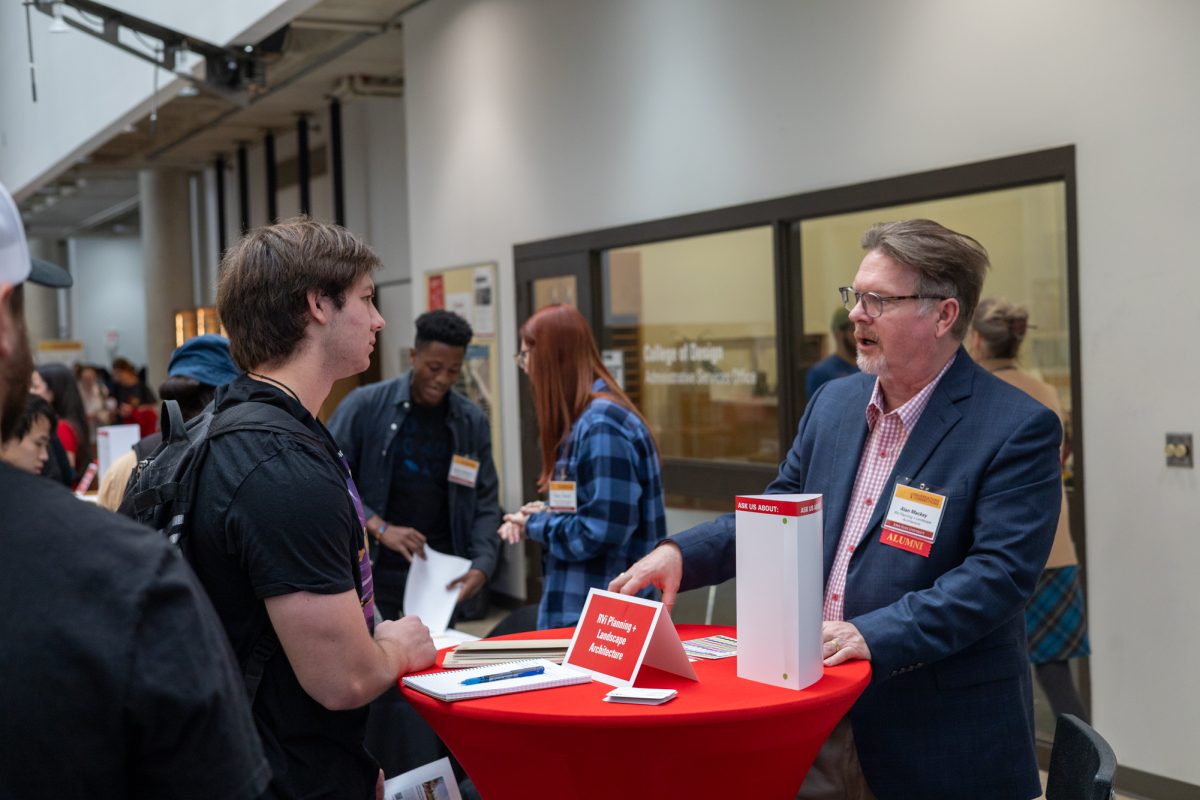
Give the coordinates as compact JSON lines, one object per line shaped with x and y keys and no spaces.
{"x":422,"y":456}
{"x":119,"y":680}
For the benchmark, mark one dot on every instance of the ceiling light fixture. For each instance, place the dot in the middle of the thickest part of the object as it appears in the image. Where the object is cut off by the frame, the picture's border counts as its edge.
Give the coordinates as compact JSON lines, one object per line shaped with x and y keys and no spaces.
{"x":58,"y":24}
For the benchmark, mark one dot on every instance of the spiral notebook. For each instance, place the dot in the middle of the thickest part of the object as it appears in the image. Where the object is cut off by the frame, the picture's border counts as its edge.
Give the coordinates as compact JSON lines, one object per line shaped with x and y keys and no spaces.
{"x":448,"y":686}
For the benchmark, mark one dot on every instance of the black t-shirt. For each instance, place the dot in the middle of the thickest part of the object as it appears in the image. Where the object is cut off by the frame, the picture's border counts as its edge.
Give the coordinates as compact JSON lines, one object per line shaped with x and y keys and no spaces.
{"x":119,"y":680}
{"x":418,"y":498}
{"x":275,"y":517}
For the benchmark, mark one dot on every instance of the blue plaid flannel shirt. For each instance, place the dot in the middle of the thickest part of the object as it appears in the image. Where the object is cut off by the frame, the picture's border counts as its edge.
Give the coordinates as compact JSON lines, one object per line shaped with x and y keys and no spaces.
{"x":619,"y":514}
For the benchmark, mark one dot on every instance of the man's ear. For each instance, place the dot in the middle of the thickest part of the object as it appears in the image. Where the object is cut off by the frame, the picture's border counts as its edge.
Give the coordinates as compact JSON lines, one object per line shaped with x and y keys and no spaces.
{"x":948,"y":311}
{"x":319,"y":307}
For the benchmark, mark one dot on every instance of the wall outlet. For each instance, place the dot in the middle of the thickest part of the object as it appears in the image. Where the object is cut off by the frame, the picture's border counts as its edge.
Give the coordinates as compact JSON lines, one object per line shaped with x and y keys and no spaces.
{"x":1179,"y":450}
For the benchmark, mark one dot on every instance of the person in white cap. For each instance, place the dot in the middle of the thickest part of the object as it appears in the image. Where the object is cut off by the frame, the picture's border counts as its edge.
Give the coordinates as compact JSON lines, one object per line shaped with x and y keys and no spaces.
{"x":121,"y":683}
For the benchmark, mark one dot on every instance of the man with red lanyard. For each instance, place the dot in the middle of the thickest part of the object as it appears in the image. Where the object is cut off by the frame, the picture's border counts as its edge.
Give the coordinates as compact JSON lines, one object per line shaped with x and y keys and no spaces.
{"x":941,"y":496}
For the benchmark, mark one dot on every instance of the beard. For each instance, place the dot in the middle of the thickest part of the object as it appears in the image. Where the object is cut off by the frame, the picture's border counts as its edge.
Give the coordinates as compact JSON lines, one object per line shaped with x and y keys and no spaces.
{"x":16,"y":370}
{"x":871,"y":366}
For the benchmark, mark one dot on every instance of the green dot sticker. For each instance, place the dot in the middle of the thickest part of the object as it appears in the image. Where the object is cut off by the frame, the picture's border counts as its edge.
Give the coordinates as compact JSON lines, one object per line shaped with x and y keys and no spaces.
{"x":784,"y":520}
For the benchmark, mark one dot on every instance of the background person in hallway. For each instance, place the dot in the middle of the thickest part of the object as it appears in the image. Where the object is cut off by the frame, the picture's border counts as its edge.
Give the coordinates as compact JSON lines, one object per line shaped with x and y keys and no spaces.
{"x":280,"y":542}
{"x":119,"y":682}
{"x":841,"y":362}
{"x":197,"y":368}
{"x":28,"y":447}
{"x":594,"y":439}
{"x":57,"y":467}
{"x":72,"y":428}
{"x":399,"y":437}
{"x":948,"y":713}
{"x":1055,"y":621}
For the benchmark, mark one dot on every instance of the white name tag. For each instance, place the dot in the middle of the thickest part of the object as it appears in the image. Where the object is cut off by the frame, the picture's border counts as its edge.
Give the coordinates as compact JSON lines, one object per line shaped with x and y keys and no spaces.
{"x":562,"y":496}
{"x":463,"y":471}
{"x":912,"y":520}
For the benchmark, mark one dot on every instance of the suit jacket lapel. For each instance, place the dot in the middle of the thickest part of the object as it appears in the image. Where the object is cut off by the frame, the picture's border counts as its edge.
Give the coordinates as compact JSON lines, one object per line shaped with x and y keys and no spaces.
{"x":940,"y":415}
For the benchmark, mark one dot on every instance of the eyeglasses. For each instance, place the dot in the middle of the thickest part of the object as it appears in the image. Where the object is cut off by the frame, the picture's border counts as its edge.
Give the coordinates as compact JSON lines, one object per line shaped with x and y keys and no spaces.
{"x":872,"y":303}
{"x":522,"y":358}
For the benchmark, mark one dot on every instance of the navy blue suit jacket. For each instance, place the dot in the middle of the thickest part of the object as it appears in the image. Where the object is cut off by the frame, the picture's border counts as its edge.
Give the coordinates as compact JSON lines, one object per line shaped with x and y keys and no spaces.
{"x":948,"y":713}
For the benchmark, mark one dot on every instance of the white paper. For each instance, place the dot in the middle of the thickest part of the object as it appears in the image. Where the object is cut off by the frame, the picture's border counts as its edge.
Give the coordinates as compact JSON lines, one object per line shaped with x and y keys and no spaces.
{"x":425,"y":593}
{"x":111,"y":443}
{"x":452,"y":636}
{"x":433,"y":780}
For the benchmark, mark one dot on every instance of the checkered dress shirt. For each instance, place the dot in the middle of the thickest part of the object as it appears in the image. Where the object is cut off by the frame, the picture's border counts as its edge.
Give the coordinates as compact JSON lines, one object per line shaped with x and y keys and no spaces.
{"x":886,"y":435}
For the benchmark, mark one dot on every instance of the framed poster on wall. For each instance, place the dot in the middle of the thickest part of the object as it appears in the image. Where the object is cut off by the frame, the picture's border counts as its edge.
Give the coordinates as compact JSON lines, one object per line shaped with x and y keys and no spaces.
{"x":470,"y":292}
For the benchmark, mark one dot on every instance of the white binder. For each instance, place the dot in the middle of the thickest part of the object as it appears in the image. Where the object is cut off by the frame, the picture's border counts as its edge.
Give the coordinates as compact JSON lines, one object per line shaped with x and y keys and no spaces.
{"x":779,"y":592}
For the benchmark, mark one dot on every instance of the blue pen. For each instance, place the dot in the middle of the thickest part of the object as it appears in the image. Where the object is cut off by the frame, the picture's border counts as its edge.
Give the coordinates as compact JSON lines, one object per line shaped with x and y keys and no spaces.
{"x":499,"y":676}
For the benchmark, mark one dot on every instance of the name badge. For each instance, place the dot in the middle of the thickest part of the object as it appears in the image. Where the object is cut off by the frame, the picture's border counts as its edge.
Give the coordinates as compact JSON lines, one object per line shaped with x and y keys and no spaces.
{"x":562,"y":496}
{"x":463,"y":471}
{"x":912,"y":520}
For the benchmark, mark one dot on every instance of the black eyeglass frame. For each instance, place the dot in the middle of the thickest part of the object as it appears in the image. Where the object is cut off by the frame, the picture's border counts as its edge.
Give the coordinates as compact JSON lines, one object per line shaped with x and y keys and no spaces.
{"x":847,"y":291}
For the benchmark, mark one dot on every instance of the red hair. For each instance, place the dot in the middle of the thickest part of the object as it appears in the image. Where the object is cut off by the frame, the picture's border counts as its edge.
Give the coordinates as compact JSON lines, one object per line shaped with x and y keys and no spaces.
{"x":563,"y":363}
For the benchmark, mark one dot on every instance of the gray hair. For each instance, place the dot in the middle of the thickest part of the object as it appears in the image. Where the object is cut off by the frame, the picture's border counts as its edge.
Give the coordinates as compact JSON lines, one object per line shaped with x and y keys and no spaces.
{"x":947,"y":263}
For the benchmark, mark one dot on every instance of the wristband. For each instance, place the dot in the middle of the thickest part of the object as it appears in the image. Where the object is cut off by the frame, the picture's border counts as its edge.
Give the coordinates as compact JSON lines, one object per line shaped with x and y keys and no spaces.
{"x":383,"y":526}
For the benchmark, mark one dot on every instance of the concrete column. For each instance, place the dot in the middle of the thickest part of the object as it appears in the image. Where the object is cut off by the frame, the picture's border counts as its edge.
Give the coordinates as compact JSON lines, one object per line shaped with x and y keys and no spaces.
{"x":167,"y":255}
{"x":42,"y":304}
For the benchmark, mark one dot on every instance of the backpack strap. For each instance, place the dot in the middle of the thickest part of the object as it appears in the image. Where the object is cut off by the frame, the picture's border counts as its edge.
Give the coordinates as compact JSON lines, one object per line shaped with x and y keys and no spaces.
{"x":173,"y":428}
{"x":256,"y":664}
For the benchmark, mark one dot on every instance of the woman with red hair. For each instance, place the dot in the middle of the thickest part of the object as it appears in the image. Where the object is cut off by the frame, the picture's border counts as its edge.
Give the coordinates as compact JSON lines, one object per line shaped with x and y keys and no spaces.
{"x":599,"y":466}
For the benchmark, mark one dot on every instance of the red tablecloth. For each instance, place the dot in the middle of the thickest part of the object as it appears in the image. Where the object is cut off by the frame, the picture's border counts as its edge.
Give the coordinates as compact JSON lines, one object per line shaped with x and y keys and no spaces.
{"x":722,"y":737}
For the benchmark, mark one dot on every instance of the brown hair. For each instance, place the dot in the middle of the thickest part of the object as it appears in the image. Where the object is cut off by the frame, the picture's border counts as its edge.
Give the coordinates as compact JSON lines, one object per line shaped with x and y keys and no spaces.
{"x":948,"y":264}
{"x":262,"y":292}
{"x":1001,"y":326}
{"x":563,"y":365}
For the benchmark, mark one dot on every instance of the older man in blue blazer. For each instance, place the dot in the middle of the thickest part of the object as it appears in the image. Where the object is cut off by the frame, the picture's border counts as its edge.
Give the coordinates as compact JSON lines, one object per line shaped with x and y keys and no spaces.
{"x":948,"y":713}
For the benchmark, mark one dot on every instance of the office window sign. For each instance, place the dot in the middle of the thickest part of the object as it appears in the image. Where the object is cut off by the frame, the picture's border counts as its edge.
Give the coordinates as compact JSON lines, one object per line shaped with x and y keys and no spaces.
{"x":693,"y":321}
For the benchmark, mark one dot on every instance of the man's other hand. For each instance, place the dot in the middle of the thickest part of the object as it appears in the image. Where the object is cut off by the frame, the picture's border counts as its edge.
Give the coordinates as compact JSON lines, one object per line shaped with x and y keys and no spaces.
{"x":662,"y":567}
{"x":841,"y":641}
{"x":412,"y":638}
{"x":408,"y":542}
{"x":469,"y":584}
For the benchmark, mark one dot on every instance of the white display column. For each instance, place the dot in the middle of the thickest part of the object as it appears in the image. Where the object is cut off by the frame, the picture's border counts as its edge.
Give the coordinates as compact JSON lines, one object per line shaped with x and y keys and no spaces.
{"x":167,"y":255}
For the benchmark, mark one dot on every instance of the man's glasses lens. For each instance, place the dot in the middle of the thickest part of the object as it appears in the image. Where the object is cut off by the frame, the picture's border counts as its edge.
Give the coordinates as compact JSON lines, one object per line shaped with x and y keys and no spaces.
{"x":872,"y":304}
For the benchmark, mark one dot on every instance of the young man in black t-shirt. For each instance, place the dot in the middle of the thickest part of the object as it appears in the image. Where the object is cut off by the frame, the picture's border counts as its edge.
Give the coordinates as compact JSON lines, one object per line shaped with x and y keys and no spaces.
{"x":279,"y":539}
{"x":119,"y":681}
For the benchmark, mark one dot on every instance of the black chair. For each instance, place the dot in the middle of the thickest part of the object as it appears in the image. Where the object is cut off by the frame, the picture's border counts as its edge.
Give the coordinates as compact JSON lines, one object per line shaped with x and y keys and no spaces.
{"x":1082,"y":765}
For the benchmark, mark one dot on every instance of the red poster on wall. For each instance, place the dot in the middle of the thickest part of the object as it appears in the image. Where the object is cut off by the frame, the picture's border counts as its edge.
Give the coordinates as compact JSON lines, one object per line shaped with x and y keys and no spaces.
{"x":618,"y":633}
{"x":437,"y":292}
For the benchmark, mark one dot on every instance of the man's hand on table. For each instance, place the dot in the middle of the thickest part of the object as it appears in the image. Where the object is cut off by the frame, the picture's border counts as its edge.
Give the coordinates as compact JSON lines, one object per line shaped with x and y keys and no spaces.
{"x":840,"y":642}
{"x":662,"y":567}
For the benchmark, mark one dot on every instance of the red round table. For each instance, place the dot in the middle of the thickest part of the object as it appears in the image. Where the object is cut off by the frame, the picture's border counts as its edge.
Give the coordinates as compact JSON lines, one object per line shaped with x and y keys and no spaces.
{"x":721,"y":737}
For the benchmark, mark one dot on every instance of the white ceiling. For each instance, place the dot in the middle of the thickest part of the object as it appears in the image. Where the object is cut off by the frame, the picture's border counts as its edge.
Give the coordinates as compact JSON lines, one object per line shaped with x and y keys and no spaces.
{"x":331,"y":43}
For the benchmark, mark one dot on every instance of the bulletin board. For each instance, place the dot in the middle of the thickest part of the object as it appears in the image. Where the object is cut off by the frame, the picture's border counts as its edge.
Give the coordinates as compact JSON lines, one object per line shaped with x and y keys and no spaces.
{"x":470,"y":292}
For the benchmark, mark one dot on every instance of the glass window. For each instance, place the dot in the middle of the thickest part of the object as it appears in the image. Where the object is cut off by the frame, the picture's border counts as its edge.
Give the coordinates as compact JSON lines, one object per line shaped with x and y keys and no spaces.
{"x":1025,"y":233}
{"x":689,"y":331}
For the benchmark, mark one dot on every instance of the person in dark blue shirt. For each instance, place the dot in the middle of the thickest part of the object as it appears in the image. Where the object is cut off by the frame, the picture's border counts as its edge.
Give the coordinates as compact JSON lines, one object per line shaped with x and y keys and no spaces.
{"x":841,"y":362}
{"x":422,"y":456}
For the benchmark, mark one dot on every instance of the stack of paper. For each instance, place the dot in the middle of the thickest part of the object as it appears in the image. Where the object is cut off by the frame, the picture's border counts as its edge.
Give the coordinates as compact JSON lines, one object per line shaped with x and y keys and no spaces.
{"x":711,"y":647}
{"x":485,"y":681}
{"x":639,"y":696}
{"x":497,"y":651}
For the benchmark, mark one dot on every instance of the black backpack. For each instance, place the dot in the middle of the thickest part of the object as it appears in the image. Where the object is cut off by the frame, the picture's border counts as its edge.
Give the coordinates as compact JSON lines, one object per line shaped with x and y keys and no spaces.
{"x":163,"y":488}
